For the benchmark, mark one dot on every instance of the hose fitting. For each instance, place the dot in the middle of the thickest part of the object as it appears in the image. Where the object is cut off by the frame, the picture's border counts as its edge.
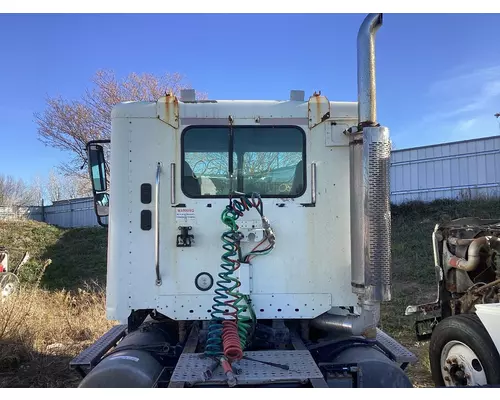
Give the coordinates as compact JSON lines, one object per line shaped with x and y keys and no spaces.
{"x":268,"y":230}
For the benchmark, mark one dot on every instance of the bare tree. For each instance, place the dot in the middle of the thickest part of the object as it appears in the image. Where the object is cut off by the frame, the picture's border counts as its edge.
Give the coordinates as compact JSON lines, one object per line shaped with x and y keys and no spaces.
{"x":16,"y":192}
{"x":254,"y":163}
{"x":64,"y":187}
{"x":37,"y":191}
{"x":54,"y":187}
{"x":75,"y":187}
{"x":69,"y":124}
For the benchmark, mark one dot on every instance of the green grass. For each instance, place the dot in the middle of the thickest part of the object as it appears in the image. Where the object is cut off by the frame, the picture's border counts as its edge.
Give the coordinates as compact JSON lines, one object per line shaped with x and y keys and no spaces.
{"x":78,"y":255}
{"x":23,"y":235}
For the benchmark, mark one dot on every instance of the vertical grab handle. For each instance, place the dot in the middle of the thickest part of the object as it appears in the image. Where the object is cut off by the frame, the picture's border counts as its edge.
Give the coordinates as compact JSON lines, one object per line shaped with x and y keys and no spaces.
{"x":172,"y":183}
{"x":157,"y":225}
{"x":313,"y":183}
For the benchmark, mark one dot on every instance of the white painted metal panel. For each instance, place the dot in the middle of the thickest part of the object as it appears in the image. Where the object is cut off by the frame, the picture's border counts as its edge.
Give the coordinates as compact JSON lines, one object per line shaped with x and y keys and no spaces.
{"x":307,"y":273}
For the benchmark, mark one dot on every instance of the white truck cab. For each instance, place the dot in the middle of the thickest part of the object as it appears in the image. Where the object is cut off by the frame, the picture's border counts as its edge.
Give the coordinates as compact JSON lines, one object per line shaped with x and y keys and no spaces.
{"x":175,"y":164}
{"x":247,"y":234}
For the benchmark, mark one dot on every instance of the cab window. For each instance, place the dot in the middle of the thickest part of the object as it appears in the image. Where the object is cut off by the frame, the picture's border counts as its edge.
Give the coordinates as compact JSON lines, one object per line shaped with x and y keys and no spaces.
{"x":268,"y":160}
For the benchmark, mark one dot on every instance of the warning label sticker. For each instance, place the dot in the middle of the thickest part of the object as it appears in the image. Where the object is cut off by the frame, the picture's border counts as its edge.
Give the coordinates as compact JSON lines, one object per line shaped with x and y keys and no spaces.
{"x":185,"y":215}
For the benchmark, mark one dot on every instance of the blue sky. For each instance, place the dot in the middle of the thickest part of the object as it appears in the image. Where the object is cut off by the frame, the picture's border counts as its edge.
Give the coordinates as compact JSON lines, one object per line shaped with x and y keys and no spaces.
{"x":438,"y":75}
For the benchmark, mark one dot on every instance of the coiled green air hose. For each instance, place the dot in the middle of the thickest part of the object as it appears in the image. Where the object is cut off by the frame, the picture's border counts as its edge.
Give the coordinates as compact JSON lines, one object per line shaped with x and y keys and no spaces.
{"x":229,"y":303}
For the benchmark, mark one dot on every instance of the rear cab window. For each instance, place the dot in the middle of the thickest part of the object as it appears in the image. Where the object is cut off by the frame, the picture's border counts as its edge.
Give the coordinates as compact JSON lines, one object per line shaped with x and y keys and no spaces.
{"x":269,"y":160}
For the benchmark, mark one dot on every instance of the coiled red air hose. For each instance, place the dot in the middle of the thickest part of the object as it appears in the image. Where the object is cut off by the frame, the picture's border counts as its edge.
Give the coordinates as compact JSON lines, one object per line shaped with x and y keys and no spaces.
{"x":231,"y":341}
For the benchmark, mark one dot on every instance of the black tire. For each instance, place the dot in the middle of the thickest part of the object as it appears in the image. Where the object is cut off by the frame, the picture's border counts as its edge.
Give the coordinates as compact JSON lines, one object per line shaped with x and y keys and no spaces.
{"x":468,"y":329}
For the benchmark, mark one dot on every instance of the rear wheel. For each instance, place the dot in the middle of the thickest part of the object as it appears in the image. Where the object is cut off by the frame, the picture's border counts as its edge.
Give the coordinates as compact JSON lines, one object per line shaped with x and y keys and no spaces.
{"x":462,"y":353}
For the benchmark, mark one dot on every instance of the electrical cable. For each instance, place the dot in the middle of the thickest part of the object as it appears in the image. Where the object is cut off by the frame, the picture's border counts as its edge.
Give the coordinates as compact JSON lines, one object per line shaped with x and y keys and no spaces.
{"x":233,"y":319}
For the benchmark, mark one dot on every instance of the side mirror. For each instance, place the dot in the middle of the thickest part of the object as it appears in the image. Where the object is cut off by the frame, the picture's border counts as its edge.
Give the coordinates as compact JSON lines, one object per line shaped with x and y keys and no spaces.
{"x":97,"y":167}
{"x":101,"y":201}
{"x":98,"y":177}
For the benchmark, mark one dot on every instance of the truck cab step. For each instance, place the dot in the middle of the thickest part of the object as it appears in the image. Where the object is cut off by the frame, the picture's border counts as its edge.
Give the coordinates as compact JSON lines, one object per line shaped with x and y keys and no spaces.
{"x":399,"y":353}
{"x":89,"y":357}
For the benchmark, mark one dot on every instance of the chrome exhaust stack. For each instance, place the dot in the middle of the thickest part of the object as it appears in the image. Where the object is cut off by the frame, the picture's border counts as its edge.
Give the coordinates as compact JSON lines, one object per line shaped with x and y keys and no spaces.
{"x":367,"y":102}
{"x":370,"y":151}
{"x":370,"y":186}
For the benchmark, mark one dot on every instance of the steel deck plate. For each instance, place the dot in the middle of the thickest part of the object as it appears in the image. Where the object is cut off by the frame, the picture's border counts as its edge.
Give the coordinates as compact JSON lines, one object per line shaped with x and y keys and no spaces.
{"x":401,"y":354}
{"x":190,"y":367}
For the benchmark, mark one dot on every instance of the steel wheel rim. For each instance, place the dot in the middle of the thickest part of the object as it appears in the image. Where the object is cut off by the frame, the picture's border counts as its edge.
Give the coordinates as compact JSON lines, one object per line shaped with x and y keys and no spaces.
{"x":8,"y":284}
{"x":460,"y":366}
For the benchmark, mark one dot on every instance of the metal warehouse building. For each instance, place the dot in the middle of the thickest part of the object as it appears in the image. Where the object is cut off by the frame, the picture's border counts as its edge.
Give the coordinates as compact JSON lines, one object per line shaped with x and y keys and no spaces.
{"x":465,"y":169}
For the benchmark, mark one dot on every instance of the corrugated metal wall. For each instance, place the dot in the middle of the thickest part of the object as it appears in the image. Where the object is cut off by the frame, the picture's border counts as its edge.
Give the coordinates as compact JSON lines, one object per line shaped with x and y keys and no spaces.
{"x":74,"y":213}
{"x":71,"y":213}
{"x":466,"y":169}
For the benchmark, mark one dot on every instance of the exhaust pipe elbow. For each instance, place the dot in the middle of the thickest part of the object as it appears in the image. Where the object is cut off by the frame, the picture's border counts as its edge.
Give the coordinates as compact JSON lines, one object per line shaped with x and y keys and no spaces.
{"x":474,"y":257}
{"x":342,"y":325}
{"x":364,"y":324}
{"x":367,"y":105}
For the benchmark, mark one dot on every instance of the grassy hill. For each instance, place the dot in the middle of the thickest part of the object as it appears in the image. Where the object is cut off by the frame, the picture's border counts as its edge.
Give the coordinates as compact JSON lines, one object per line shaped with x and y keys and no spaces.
{"x":78,"y":255}
{"x":49,"y":325}
{"x":59,"y":311}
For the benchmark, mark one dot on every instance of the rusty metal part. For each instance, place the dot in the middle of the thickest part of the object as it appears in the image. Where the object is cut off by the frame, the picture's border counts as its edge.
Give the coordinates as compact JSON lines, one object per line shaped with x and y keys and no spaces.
{"x":488,"y":285}
{"x":182,"y":331}
{"x":473,"y":257}
{"x":304,"y":329}
{"x":189,"y":347}
{"x":318,"y":109}
{"x":423,"y":308}
{"x":478,"y":295}
{"x":367,"y":105}
{"x":168,"y":110}
{"x":459,"y":242}
{"x":494,"y":243}
{"x":467,"y":302}
{"x":436,"y":304}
